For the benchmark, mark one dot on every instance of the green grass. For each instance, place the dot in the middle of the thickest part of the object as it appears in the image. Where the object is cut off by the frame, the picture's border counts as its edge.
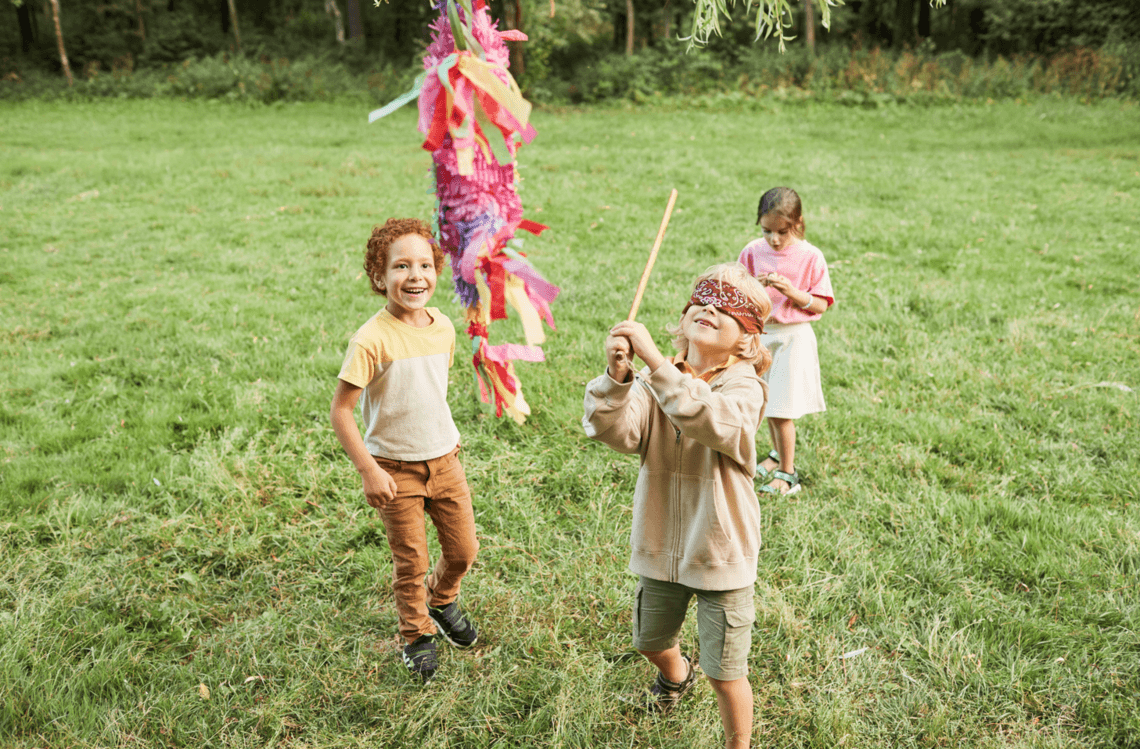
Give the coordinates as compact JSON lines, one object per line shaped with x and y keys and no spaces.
{"x":177,"y":285}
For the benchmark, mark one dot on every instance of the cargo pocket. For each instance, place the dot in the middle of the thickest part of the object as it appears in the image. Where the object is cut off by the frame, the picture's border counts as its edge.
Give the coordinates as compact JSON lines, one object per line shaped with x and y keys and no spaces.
{"x":737,"y":637}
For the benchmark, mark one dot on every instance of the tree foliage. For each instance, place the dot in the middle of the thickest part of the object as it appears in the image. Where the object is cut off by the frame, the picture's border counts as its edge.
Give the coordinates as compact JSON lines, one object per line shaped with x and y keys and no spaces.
{"x":771,"y":18}
{"x":1042,"y":26}
{"x":108,"y":35}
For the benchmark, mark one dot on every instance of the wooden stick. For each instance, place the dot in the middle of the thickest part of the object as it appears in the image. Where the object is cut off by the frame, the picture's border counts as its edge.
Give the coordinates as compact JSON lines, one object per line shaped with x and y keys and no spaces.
{"x":652,"y":256}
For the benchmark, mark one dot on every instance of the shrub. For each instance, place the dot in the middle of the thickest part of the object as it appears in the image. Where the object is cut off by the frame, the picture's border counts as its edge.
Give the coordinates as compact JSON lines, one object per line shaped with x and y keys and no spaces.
{"x":222,"y":76}
{"x":859,"y":77}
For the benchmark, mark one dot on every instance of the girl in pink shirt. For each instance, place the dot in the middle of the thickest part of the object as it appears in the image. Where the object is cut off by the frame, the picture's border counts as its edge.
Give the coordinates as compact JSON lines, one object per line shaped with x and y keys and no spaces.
{"x":799,"y":286}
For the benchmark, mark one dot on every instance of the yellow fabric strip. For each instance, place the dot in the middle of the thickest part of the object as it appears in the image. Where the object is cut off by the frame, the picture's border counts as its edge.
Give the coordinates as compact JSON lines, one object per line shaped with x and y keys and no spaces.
{"x":515,"y":293}
{"x":480,"y":73}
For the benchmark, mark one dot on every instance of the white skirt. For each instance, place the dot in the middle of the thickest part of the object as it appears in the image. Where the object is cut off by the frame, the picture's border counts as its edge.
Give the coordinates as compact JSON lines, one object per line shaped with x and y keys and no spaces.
{"x":794,"y":387}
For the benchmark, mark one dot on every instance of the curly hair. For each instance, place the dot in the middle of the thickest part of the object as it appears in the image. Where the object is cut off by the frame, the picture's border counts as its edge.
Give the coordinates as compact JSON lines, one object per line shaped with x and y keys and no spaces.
{"x":376,"y":256}
{"x":751,"y":349}
{"x":785,"y":203}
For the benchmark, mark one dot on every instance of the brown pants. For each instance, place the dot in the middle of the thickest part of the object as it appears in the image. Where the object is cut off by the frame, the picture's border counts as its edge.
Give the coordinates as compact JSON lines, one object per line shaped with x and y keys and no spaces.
{"x":438,"y":486}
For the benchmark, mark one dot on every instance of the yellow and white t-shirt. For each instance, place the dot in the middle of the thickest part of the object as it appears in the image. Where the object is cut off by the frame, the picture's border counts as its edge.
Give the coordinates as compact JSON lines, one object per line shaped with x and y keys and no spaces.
{"x":403,"y":373}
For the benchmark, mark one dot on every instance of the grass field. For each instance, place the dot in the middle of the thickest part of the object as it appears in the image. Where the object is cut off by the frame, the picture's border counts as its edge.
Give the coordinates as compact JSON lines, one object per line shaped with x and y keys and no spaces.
{"x":186,"y":556}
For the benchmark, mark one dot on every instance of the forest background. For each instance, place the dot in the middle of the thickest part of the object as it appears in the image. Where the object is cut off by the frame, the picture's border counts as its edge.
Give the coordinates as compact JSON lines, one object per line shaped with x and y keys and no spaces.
{"x":876,"y":52}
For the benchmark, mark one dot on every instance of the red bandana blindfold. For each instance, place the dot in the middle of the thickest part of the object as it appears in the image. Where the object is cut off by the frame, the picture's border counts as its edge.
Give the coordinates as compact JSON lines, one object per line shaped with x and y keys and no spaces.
{"x":729,"y":300}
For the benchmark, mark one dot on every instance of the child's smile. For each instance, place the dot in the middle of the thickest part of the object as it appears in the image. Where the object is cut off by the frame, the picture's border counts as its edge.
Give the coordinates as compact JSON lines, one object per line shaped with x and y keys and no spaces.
{"x":409,"y":279}
{"x":713,"y":332}
{"x":705,"y":322}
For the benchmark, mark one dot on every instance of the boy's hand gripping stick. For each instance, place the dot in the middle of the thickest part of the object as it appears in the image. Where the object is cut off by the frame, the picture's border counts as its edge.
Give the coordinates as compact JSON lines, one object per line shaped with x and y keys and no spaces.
{"x":652,"y":259}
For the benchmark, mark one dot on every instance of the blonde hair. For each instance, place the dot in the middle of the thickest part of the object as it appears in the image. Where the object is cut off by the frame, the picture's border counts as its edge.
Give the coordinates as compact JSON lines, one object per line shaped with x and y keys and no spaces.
{"x":751,"y":349}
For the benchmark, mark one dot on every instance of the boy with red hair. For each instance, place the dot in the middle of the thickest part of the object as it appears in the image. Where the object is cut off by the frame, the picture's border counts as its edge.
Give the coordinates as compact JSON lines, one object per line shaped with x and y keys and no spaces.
{"x":408,"y":459}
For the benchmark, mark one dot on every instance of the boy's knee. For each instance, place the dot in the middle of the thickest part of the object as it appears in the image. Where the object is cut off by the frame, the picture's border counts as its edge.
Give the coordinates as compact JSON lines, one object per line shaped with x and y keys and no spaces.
{"x":743,"y":679}
{"x":460,"y":557}
{"x":413,"y":572}
{"x":720,"y":686}
{"x":452,"y":567}
{"x":409,"y":562}
{"x":461,"y":565}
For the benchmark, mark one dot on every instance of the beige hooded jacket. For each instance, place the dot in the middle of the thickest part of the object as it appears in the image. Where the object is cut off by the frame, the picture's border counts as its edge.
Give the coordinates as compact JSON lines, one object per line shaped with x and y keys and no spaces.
{"x":696,"y":520}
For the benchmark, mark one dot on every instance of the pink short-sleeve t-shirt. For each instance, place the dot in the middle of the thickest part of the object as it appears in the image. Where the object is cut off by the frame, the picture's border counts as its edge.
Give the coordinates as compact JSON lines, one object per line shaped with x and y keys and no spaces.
{"x":801,"y":263}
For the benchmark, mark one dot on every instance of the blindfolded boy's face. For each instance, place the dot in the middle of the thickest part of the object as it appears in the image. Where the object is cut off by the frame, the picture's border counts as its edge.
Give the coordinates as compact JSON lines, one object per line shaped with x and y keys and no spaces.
{"x":410,"y":277}
{"x":713,"y":332}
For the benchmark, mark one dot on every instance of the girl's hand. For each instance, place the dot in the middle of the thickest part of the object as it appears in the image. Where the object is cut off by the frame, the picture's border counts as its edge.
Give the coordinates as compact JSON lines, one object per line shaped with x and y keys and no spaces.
{"x":800,"y":298}
{"x":641,"y":342}
{"x":379,"y":487}
{"x":778,"y":282}
{"x":618,"y":355}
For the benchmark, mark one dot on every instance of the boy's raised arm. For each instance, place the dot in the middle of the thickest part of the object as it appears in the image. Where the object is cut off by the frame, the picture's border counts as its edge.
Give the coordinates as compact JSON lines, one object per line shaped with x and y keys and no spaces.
{"x":617,"y":409}
{"x":725,"y":420}
{"x":379,"y":486}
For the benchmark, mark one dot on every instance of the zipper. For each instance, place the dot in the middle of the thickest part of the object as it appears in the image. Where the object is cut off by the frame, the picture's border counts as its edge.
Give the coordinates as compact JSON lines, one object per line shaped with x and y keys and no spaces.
{"x":676,"y":509}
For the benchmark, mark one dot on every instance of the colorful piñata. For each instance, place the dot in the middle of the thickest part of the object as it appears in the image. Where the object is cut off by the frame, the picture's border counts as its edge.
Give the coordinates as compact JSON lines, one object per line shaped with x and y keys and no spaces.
{"x":474,"y":118}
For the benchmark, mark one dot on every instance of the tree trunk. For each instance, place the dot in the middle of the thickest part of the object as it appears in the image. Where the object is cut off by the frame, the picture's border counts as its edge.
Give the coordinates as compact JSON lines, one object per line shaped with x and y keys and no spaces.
{"x":355,"y":26}
{"x":234,"y":23}
{"x":332,"y":10}
{"x":924,"y":19}
{"x":59,"y":38}
{"x":27,"y":33}
{"x":139,"y":13}
{"x":628,"y":28}
{"x":518,"y":59}
{"x":668,"y":15}
{"x":809,"y":26}
{"x":904,"y":23}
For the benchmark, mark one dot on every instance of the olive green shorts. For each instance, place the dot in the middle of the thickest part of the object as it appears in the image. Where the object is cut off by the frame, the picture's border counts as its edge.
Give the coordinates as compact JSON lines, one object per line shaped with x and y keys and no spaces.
{"x":724,"y":624}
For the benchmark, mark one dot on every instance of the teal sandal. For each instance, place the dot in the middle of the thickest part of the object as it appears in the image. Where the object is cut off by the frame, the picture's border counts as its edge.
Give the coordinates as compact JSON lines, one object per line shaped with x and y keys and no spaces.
{"x":792,"y":479}
{"x":763,"y":474}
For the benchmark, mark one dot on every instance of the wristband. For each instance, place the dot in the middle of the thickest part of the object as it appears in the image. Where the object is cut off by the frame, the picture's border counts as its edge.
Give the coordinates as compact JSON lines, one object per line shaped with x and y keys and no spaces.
{"x":811,"y":298}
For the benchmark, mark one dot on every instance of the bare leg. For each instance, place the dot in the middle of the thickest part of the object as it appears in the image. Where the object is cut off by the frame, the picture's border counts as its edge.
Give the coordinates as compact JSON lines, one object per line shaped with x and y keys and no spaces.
{"x":784,"y":437}
{"x":767,"y":463}
{"x":669,"y":662}
{"x":734,"y":698}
